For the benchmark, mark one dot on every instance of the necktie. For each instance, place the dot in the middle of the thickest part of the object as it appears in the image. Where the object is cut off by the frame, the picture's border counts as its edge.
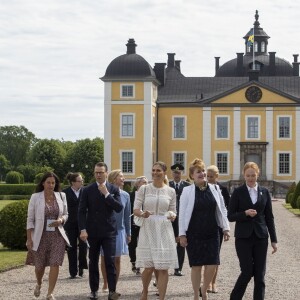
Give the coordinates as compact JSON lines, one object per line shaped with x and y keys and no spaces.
{"x":176,"y":187}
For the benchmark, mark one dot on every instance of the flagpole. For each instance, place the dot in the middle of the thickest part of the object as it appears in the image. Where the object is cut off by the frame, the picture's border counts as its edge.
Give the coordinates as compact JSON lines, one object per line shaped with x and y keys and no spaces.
{"x":253,"y":65}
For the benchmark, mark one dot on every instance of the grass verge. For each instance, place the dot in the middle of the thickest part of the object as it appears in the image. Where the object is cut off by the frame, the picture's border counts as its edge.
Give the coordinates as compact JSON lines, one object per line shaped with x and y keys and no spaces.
{"x":295,"y":211}
{"x":10,"y":259}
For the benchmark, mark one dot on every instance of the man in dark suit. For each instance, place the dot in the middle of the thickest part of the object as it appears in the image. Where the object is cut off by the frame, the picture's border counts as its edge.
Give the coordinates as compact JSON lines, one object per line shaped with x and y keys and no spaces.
{"x":97,"y":225}
{"x":77,"y":263}
{"x":178,"y":185}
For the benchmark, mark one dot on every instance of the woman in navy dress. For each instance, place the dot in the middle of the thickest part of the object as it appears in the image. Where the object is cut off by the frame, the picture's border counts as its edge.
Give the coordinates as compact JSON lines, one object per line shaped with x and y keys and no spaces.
{"x":202,"y":212}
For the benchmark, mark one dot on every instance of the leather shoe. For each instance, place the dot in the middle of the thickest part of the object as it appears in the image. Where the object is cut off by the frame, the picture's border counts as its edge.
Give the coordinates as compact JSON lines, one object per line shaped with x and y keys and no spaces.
{"x":113,"y":296}
{"x":178,"y":273}
{"x":93,"y":295}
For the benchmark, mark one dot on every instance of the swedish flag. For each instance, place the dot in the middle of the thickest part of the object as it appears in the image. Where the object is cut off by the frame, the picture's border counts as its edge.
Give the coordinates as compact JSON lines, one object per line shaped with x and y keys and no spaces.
{"x":251,"y":39}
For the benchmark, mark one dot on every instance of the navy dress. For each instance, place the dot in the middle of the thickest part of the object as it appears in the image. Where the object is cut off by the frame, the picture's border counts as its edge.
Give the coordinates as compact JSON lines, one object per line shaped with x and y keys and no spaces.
{"x":203,"y":232}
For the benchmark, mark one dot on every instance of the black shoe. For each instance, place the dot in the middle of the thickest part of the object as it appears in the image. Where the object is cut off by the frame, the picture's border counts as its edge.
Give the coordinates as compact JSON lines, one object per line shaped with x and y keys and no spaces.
{"x":72,"y":277}
{"x":93,"y":295}
{"x":178,"y":273}
{"x":80,"y":273}
{"x":138,"y":271}
{"x":133,"y":268}
{"x":113,"y":295}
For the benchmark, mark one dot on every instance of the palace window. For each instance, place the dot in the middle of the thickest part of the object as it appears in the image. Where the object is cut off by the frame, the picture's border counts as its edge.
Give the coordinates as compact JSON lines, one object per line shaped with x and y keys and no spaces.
{"x":127,"y":125}
{"x":127,"y":161}
{"x":222,"y":128}
{"x":284,"y":127}
{"x":284,"y":163}
{"x":222,"y":162}
{"x":263,"y":46}
{"x":179,"y":127}
{"x":127,"y":90}
{"x":252,"y":127}
{"x":179,"y":158}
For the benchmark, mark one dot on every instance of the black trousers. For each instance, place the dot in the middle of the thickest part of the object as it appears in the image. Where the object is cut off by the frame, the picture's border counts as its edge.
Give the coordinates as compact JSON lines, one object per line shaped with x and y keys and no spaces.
{"x":135,"y":230}
{"x":180,"y":255}
{"x":252,"y":254}
{"x":76,"y":259}
{"x":108,"y":245}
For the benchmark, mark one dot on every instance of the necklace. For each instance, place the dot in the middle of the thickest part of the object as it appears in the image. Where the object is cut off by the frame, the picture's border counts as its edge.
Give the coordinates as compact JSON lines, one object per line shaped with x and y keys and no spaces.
{"x":49,"y":199}
{"x":203,"y":187}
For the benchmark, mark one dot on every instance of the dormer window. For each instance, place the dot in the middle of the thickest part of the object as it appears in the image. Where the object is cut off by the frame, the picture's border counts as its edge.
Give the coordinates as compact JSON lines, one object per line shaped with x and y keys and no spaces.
{"x":263,"y":47}
{"x":255,"y":47}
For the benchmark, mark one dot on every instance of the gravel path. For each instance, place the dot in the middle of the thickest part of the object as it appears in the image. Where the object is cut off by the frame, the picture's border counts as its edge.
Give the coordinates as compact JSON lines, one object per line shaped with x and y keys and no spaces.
{"x":282,"y":279}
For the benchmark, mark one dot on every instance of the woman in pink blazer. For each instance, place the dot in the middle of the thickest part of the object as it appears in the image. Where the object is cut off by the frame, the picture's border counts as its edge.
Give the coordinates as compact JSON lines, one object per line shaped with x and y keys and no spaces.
{"x":46,"y":238}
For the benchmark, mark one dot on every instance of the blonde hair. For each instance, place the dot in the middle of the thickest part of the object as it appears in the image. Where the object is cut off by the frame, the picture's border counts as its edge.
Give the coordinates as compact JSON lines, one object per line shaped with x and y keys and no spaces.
{"x":213,"y":169}
{"x":113,"y":175}
{"x":138,"y":180}
{"x":252,"y":165}
{"x":197,"y":163}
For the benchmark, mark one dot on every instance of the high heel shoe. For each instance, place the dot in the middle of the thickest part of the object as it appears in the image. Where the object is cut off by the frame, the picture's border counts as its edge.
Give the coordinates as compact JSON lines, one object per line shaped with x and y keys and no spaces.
{"x":50,"y":297}
{"x":37,"y":291}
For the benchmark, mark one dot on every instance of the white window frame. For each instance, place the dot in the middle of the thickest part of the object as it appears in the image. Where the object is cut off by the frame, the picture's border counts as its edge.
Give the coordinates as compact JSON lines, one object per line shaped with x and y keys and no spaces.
{"x":263,"y":46}
{"x":290,"y":163}
{"x":121,"y":126}
{"x":216,"y":127}
{"x":121,"y":90}
{"x":185,"y":127}
{"x":185,"y":160}
{"x":246,"y":125}
{"x":278,"y":128}
{"x":121,"y":151}
{"x":228,"y":160}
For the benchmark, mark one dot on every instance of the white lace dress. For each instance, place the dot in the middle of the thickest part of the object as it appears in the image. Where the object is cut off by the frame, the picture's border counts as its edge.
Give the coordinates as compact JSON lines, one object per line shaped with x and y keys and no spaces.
{"x":156,"y":244}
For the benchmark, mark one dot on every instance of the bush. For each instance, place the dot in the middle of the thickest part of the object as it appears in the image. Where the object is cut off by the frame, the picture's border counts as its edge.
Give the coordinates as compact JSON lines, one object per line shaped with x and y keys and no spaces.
{"x":15,"y":197}
{"x":298,"y":202}
{"x":17,"y":189}
{"x":289,"y":191}
{"x":29,"y":172}
{"x":296,"y":194}
{"x":13,"y":218}
{"x":14,"y":177}
{"x":290,"y":197}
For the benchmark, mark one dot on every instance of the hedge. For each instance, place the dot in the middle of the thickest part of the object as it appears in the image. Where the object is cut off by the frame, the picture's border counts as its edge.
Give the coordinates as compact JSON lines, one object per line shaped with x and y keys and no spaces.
{"x":15,"y":197}
{"x":17,"y":189}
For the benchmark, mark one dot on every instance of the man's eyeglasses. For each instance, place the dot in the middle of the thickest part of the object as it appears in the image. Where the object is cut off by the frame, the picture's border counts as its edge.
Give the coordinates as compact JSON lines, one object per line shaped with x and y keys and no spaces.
{"x":99,"y":173}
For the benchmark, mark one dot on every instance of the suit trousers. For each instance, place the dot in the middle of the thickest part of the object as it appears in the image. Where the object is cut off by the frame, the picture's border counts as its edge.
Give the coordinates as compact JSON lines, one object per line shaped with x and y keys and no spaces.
{"x":180,"y":255}
{"x":108,"y":245}
{"x":133,"y":243}
{"x":76,"y":260}
{"x":252,"y":254}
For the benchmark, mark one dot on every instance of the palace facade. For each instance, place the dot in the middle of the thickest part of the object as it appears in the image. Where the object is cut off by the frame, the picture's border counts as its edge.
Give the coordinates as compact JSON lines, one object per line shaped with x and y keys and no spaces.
{"x":243,"y":113}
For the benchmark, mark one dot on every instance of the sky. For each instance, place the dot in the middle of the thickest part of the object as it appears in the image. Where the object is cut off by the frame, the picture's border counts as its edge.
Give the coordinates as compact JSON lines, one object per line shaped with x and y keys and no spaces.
{"x":54,"y":52}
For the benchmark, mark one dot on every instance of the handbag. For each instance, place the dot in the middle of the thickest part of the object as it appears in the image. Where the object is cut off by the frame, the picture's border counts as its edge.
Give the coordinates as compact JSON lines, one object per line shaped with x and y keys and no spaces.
{"x":139,"y":221}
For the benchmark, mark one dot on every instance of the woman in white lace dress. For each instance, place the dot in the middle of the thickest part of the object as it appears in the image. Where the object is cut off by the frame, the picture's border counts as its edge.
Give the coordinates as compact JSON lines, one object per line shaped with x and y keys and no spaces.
{"x":156,"y":250}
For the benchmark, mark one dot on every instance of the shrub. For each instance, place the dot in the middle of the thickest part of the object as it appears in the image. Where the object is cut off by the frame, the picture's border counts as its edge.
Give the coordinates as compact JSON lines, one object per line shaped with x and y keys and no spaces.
{"x":13,"y":218}
{"x":15,"y":197}
{"x":17,"y":189}
{"x":296,"y":194}
{"x":298,"y":202}
{"x":290,"y":197}
{"x":29,"y":172}
{"x":14,"y":177}
{"x":289,"y":191}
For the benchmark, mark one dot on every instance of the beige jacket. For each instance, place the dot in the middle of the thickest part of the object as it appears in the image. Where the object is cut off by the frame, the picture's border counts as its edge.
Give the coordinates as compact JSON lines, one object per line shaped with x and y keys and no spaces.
{"x":36,"y":216}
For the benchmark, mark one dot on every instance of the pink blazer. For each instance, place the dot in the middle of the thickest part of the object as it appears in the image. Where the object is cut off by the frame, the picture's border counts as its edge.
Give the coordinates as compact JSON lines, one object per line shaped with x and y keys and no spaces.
{"x":36,"y":216}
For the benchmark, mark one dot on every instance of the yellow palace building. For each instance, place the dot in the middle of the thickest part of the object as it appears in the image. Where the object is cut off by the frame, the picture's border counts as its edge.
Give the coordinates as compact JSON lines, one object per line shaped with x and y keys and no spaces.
{"x":244,"y":113}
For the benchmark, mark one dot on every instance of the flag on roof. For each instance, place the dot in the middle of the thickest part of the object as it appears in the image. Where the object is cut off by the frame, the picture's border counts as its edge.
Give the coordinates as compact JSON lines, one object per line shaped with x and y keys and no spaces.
{"x":251,"y":38}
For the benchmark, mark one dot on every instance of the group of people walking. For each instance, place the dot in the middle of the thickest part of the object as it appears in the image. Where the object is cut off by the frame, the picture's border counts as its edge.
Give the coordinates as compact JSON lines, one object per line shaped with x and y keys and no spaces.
{"x":174,"y":216}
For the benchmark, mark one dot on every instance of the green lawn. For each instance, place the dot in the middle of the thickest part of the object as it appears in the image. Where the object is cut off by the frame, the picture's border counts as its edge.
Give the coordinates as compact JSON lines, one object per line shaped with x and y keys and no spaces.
{"x":10,"y":258}
{"x":295,"y":211}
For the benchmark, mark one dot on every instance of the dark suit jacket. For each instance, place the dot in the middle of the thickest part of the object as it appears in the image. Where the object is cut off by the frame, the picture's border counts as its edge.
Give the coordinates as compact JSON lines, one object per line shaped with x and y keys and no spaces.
{"x":262,"y":223}
{"x":178,"y":194}
{"x":225,"y":194}
{"x":96,"y":213}
{"x":73,"y":203}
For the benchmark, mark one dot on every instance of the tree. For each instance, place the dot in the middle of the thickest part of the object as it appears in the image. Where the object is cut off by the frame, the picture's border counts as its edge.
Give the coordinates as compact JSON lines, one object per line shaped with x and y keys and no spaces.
{"x":15,"y":143}
{"x":4,"y":166}
{"x":28,"y":171}
{"x":84,"y":155}
{"x":49,"y":153}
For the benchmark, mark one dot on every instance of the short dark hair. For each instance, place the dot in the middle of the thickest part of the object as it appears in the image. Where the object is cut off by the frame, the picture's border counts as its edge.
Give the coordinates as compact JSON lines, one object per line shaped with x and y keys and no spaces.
{"x":102,"y":164}
{"x":72,"y":177}
{"x":40,"y":187}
